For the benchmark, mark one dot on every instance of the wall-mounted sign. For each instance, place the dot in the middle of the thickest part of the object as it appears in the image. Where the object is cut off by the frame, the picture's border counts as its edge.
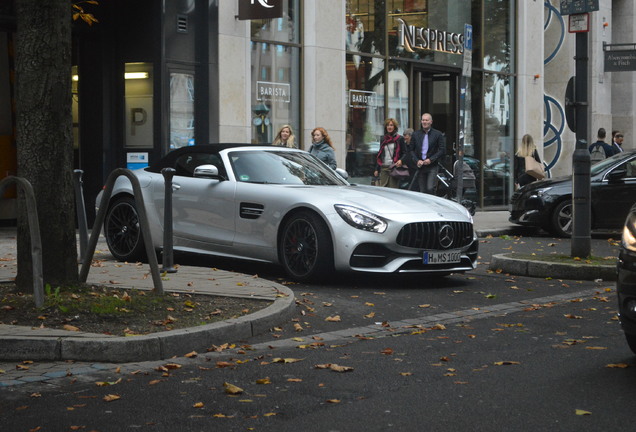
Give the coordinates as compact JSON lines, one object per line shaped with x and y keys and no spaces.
{"x":569,"y":7}
{"x":620,"y":61}
{"x":579,"y":23}
{"x":419,"y":38}
{"x":272,"y":92}
{"x":362,"y":99}
{"x":136,"y":160}
{"x":260,"y":9}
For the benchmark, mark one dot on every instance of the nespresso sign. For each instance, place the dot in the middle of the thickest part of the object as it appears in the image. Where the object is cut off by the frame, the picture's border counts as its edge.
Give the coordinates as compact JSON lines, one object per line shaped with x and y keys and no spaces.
{"x":260,"y":9}
{"x":419,"y":38}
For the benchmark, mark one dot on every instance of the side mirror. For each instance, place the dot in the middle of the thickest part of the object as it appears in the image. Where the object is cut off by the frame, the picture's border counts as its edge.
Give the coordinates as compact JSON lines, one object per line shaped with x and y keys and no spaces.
{"x":617,"y":175}
{"x":206,"y":171}
{"x":342,"y":173}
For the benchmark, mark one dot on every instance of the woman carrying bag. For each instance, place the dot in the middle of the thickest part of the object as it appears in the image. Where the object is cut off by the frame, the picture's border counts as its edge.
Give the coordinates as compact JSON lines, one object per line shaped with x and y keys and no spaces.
{"x":390,"y":155}
{"x":526,"y":154}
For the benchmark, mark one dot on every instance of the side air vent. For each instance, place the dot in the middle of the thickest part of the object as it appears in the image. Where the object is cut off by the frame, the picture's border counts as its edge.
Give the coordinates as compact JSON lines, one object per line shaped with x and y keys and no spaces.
{"x":182,"y":23}
{"x":251,"y":210}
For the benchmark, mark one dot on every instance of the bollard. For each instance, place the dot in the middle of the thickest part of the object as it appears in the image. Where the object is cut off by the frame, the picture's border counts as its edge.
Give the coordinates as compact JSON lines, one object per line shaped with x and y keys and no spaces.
{"x":82,"y":225}
{"x":168,"y":256}
{"x":581,"y":208}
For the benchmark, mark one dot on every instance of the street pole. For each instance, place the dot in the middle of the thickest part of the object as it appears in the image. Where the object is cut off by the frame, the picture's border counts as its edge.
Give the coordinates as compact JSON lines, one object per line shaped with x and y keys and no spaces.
{"x":581,"y":191}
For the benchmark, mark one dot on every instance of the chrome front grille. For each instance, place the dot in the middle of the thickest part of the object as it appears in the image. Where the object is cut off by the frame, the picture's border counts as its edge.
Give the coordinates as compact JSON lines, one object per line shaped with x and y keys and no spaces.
{"x":425,"y":235}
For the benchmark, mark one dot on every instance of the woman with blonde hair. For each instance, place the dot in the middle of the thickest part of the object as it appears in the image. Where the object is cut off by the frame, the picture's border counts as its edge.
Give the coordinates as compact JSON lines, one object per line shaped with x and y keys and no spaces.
{"x":527,"y":148}
{"x":285,"y":137}
{"x":322,"y":147}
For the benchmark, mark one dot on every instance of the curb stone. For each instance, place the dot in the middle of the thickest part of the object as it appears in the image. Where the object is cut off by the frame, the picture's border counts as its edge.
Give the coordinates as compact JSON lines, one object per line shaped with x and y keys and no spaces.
{"x":508,"y":263}
{"x":155,"y":346}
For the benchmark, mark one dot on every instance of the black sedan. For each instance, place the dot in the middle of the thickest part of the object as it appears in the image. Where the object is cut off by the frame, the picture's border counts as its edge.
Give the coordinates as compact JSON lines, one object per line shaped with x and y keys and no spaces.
{"x":626,"y":281}
{"x":548,"y":203}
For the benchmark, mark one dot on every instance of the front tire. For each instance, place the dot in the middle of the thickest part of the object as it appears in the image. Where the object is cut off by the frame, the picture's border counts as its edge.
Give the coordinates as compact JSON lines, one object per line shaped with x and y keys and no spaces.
{"x":123,"y":232}
{"x":631,"y":341}
{"x":562,"y":219}
{"x":305,"y":247}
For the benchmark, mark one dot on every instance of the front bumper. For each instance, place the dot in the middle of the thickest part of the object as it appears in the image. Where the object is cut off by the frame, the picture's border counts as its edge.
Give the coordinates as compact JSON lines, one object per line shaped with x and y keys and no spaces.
{"x":528,"y":210}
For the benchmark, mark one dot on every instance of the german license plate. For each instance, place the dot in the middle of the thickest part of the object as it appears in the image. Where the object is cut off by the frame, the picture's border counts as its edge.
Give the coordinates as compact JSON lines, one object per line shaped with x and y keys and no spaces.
{"x":446,"y":257}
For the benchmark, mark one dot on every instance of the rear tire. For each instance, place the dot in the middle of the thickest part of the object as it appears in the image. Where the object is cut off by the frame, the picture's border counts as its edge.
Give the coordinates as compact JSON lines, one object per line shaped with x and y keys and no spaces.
{"x":305,"y":247}
{"x":123,"y":232}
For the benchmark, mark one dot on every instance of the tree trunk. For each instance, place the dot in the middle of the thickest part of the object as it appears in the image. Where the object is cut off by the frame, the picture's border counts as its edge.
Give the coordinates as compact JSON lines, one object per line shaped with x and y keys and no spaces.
{"x":44,"y":138}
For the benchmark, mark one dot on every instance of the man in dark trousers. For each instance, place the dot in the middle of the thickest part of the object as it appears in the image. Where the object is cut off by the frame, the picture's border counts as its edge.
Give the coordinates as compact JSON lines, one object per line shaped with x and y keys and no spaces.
{"x":429,"y":147}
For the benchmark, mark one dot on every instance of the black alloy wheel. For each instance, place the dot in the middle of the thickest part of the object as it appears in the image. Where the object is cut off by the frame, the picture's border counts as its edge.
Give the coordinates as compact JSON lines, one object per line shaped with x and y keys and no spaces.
{"x":562,"y":219}
{"x":305,"y":247}
{"x":123,"y":232}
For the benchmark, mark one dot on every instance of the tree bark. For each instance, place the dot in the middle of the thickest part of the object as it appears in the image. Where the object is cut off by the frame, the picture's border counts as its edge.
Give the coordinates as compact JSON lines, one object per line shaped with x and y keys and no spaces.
{"x":44,"y":138}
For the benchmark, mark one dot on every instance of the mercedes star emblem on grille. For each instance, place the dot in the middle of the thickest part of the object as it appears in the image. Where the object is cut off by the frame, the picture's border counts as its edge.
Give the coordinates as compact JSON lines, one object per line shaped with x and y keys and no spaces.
{"x":446,"y":236}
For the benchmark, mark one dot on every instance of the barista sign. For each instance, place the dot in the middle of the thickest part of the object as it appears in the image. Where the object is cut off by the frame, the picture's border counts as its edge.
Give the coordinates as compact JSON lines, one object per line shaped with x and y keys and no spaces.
{"x":260,"y":9}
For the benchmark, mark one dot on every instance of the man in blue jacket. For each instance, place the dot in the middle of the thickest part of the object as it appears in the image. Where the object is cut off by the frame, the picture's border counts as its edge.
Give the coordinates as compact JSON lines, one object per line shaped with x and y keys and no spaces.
{"x":429,"y":148}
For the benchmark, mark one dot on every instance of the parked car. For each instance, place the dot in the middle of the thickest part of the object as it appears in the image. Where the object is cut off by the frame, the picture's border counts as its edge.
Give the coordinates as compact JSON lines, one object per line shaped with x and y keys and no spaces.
{"x":626,"y":280}
{"x":548,"y":203}
{"x":284,"y":206}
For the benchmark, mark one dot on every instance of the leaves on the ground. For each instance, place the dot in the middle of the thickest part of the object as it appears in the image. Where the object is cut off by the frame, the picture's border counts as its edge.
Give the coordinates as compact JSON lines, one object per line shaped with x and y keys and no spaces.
{"x":334,"y":367}
{"x":582,"y":412}
{"x":506,"y":363}
{"x":111,"y":397}
{"x":335,"y":318}
{"x":232,"y":389}
{"x":617,"y":365}
{"x":286,"y":360}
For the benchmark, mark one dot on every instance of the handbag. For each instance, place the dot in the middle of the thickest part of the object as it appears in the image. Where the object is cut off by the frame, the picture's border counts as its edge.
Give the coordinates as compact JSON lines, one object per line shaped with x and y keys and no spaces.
{"x":399,"y":172}
{"x":534,"y":168}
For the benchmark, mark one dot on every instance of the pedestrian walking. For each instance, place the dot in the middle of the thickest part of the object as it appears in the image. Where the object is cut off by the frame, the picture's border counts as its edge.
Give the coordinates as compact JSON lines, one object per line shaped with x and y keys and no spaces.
{"x":429,"y":147}
{"x":322,"y":147}
{"x":392,"y":151}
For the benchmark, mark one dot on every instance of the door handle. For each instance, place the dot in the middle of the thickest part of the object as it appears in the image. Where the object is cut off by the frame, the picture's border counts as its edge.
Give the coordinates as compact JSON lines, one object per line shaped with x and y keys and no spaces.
{"x":175,"y":187}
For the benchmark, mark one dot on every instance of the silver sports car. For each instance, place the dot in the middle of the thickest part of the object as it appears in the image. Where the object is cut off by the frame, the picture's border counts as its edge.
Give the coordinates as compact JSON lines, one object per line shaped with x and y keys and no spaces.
{"x":284,"y":206}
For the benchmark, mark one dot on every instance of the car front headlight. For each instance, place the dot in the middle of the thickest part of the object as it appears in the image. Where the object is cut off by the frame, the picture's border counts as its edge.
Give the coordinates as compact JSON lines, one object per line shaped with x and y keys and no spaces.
{"x":629,"y":232}
{"x":361,"y":219}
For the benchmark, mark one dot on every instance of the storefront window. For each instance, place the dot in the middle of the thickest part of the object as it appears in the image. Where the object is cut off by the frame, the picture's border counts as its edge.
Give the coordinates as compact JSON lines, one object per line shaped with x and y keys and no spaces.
{"x":139,"y":96}
{"x":365,"y":114}
{"x":498,"y":170}
{"x":276,"y":75}
{"x":181,"y":110}
{"x":499,"y":21}
{"x":365,"y":26}
{"x":398,"y":94}
{"x":275,"y":90}
{"x":438,"y":28}
{"x":280,"y":29}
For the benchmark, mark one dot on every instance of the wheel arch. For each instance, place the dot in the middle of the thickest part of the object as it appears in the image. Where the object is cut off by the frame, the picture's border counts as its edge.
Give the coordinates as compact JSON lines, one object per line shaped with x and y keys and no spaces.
{"x":290,"y":214}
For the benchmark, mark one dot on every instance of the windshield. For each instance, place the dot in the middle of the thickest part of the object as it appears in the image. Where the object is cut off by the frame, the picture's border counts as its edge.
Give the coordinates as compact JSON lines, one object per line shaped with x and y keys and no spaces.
{"x":282,"y":167}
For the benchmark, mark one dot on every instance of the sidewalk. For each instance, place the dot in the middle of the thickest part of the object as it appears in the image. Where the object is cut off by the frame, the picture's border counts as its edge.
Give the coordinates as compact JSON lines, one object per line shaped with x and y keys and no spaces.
{"x":19,"y":343}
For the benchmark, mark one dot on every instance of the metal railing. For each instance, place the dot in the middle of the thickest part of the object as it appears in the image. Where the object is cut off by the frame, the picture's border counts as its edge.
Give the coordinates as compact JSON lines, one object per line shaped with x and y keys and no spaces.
{"x":143,"y":222}
{"x":34,"y":228}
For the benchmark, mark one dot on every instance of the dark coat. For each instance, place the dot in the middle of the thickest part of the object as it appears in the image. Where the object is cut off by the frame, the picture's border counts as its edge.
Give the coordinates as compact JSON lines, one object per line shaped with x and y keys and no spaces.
{"x":521,"y":178}
{"x":436,"y":147}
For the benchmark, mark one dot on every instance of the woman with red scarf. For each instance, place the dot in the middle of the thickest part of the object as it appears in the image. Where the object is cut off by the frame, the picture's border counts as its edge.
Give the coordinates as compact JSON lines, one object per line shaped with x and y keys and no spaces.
{"x":392,"y":151}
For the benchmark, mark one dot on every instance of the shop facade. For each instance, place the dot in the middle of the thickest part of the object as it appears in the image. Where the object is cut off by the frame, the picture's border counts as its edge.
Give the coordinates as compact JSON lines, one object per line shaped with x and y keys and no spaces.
{"x":173,"y":73}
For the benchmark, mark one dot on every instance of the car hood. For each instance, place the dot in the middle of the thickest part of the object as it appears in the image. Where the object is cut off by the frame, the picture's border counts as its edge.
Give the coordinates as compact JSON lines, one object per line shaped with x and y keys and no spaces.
{"x":552,"y":182}
{"x":388,"y":201}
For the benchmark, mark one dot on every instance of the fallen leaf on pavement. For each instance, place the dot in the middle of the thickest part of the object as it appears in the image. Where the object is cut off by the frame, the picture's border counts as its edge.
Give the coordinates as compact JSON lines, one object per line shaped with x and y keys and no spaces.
{"x":582,"y":412}
{"x":232,"y":389}
{"x":286,"y":360}
{"x":617,"y":365}
{"x":111,"y":397}
{"x":335,"y":318}
{"x":507,"y":363}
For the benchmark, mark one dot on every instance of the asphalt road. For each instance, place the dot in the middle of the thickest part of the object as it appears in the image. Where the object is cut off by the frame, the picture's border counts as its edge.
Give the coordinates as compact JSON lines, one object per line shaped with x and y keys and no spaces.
{"x":538,"y":354}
